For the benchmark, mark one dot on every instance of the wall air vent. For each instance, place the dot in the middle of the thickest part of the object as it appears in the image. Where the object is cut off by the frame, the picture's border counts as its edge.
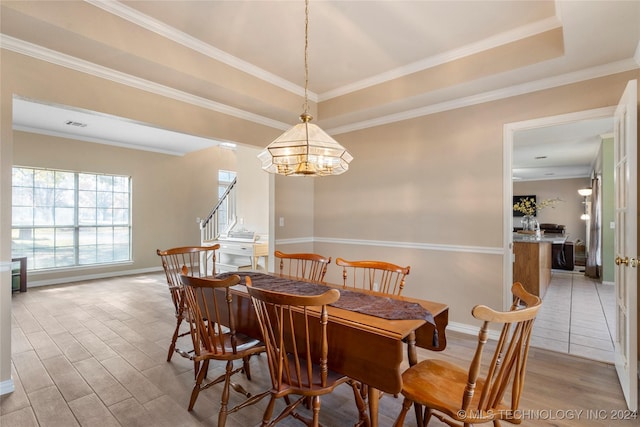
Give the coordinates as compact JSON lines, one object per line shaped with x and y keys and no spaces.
{"x":76,"y":124}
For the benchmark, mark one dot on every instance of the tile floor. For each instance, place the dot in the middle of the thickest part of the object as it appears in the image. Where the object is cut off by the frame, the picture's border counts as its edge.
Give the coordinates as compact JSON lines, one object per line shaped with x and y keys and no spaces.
{"x":577,"y":317}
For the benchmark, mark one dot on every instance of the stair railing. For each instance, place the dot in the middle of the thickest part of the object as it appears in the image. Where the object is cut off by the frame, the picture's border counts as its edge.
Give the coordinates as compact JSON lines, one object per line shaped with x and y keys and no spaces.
{"x":210,"y":226}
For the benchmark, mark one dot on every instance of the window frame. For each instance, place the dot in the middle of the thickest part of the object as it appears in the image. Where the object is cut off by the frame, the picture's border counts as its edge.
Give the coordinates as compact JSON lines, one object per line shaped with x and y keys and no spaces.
{"x":70,"y":226}
{"x":226,"y":221}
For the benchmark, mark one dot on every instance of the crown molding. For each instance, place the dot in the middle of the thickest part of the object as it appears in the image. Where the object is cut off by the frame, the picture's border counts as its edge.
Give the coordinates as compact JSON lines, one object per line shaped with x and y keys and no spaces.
{"x":508,"y":92}
{"x":54,"y":57}
{"x":67,"y":61}
{"x":442,"y":58}
{"x":135,"y":17}
{"x":104,"y":141}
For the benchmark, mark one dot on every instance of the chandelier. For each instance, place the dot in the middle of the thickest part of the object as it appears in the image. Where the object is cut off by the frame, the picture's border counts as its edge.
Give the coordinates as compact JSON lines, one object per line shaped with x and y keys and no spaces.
{"x":305,"y":149}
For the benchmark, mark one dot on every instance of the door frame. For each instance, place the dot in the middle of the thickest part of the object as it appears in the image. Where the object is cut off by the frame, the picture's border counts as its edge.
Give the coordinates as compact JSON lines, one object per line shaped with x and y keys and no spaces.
{"x":509,"y":131}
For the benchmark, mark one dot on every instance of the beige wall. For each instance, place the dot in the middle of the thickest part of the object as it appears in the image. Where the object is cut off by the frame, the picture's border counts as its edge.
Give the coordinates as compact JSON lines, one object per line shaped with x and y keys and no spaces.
{"x":294,"y":200}
{"x":428,"y":192}
{"x":425,"y":192}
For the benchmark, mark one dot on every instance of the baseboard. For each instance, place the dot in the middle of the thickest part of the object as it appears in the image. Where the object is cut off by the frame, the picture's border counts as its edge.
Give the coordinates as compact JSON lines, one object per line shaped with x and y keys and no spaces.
{"x":64,"y":280}
{"x":470,"y":330}
{"x":7,"y":387}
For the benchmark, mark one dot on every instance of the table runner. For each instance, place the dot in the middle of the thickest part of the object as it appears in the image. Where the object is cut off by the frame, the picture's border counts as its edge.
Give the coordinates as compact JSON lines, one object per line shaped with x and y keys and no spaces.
{"x":372,"y":305}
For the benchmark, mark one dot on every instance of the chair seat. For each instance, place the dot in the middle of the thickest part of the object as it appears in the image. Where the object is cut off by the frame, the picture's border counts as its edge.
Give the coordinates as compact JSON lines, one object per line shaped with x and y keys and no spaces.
{"x":244,"y":344}
{"x":439,"y":385}
{"x":333,"y":379}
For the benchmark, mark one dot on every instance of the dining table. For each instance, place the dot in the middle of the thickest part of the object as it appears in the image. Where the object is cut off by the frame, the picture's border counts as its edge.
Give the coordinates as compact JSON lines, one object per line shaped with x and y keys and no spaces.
{"x":367,"y":330}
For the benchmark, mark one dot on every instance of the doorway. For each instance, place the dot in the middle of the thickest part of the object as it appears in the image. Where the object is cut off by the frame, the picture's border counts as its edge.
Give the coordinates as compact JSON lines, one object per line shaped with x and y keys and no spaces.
{"x":538,"y":152}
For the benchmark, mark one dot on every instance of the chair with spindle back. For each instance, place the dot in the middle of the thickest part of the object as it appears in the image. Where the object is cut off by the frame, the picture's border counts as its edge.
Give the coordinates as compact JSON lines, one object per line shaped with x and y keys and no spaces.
{"x":377,"y":276}
{"x":200,"y":261}
{"x":303,"y":266}
{"x":294,"y":329}
{"x":209,"y":305}
{"x":462,"y":397}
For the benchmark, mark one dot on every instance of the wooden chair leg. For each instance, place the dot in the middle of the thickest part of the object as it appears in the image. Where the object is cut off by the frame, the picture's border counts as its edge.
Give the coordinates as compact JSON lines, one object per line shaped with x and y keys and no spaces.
{"x":406,"y":405}
{"x":364,"y":390}
{"x":268,"y":412}
{"x":427,"y":417}
{"x":197,"y":387}
{"x":419,"y":419}
{"x":363,"y":417}
{"x":246,"y":366}
{"x":196,"y":367}
{"x":224,"y":398}
{"x":174,"y":339}
{"x":315,"y":403}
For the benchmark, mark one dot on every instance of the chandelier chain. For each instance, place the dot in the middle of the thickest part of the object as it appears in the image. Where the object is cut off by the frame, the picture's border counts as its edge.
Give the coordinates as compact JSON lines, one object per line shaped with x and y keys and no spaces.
{"x":306,"y":55}
{"x":305,"y":149}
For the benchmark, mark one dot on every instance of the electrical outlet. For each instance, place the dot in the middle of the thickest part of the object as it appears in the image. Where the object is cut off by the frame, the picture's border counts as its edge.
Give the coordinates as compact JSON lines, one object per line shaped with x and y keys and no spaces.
{"x":281,"y":221}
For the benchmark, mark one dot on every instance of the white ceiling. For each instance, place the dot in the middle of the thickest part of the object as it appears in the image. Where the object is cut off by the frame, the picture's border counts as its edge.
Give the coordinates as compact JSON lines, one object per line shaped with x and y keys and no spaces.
{"x":353,"y":47}
{"x":559,"y":151}
{"x":90,"y":126}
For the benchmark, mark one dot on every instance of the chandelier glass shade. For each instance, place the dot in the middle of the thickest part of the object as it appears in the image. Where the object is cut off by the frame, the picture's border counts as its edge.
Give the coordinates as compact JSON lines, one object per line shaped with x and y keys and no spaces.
{"x":305,"y":149}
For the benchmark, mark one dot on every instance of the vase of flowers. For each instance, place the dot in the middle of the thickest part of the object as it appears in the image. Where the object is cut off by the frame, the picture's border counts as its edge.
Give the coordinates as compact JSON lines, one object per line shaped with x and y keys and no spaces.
{"x":530,"y":208}
{"x":529,"y":223}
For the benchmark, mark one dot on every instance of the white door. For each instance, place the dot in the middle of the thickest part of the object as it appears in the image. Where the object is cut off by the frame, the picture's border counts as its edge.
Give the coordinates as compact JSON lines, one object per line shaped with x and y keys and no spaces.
{"x":626,"y":242}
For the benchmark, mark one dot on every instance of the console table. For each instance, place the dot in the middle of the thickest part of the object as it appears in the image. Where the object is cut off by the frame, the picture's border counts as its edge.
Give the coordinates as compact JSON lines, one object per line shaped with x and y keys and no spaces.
{"x":235,"y":256}
{"x":19,"y":275}
{"x":532,"y":265}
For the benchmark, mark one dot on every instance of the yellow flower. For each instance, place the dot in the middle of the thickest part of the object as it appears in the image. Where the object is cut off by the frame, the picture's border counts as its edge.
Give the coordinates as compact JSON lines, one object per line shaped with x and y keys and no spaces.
{"x":528,"y":206}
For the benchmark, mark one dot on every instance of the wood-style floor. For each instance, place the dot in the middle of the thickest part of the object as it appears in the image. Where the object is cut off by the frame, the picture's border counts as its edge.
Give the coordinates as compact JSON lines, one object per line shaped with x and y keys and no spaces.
{"x":93,"y":354}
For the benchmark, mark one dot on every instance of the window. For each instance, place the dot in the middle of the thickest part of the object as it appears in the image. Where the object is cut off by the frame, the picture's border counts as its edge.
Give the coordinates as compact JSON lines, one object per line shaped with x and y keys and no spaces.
{"x":227,"y":210}
{"x":68,"y":219}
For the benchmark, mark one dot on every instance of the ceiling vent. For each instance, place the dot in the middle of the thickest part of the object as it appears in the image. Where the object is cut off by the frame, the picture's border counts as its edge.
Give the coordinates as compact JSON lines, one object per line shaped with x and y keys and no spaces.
{"x":76,"y":124}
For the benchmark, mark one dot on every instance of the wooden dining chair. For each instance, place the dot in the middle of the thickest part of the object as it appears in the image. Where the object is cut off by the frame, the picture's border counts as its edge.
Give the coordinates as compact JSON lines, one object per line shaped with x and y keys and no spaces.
{"x":200,"y":261}
{"x":304,"y":266}
{"x":209,"y":305}
{"x":377,"y":276}
{"x":294,"y":330}
{"x":462,"y":397}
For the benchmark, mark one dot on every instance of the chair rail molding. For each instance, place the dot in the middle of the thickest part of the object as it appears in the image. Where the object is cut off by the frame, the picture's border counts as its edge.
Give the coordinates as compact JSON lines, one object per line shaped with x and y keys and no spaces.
{"x":396,"y":244}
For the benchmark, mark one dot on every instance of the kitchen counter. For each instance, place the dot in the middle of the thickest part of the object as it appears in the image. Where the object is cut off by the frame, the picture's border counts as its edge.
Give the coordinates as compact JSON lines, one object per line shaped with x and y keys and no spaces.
{"x":532,"y":265}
